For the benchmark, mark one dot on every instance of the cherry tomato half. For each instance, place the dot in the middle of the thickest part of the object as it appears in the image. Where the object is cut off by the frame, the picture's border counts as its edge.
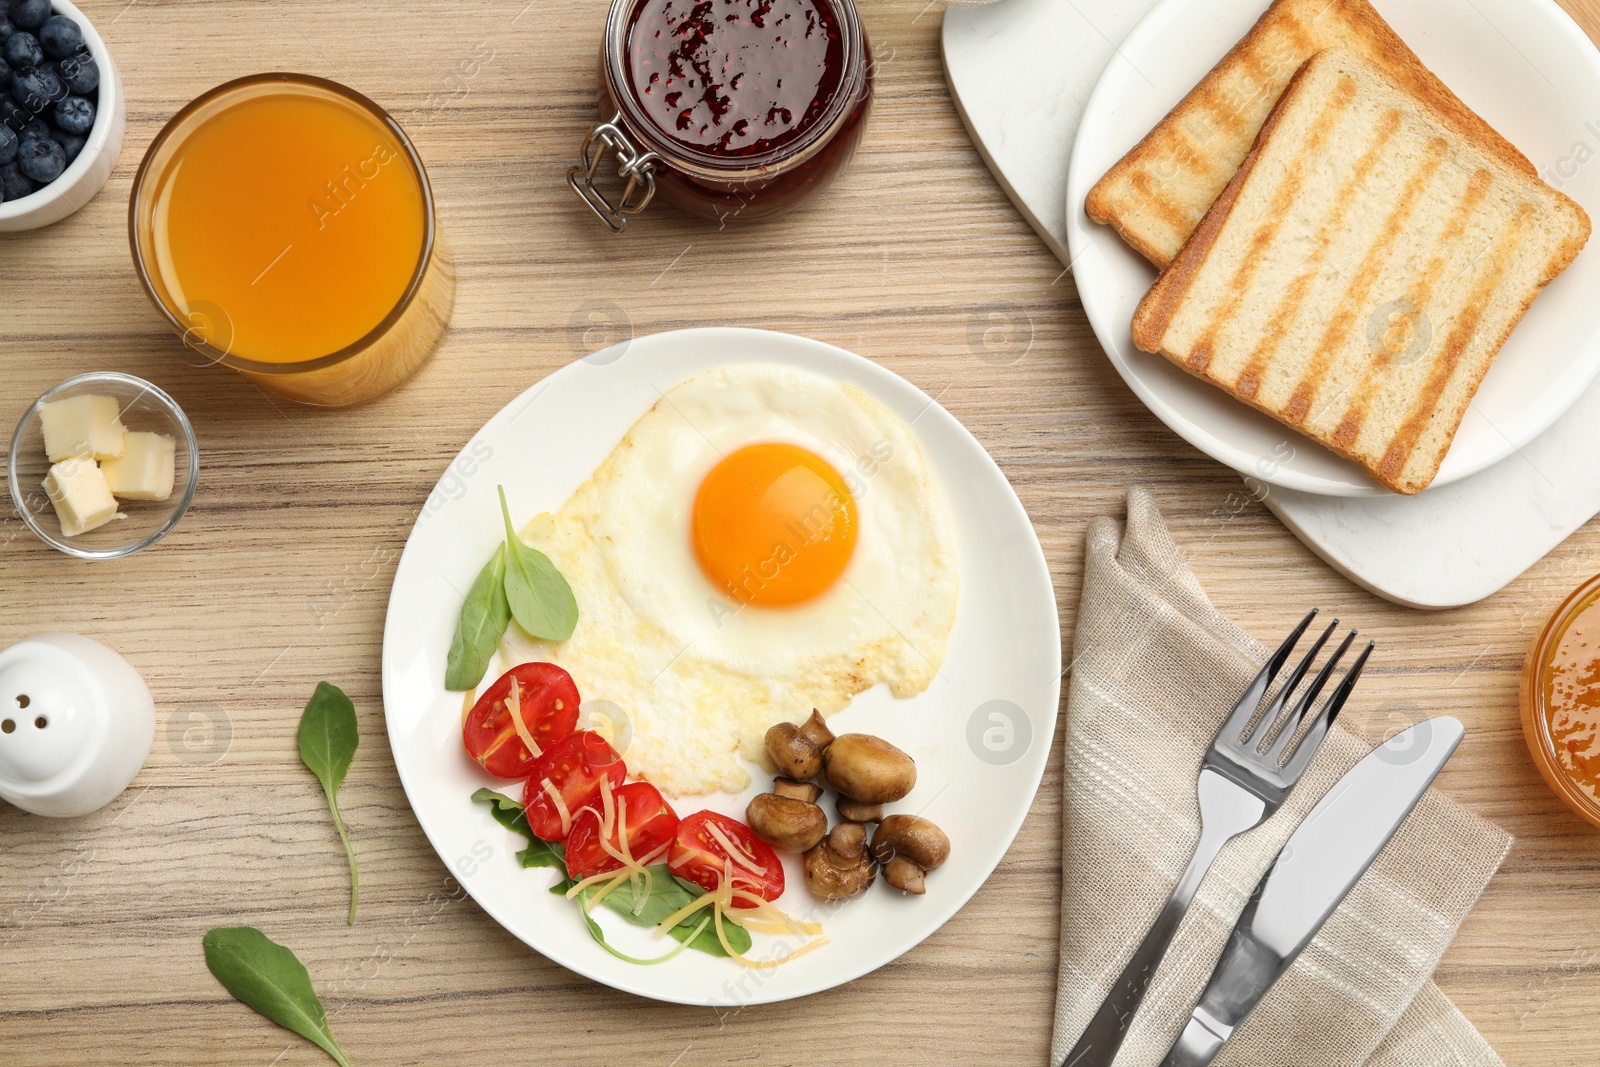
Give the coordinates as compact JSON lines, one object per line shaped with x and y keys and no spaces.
{"x":573,"y":766}
{"x":549,"y":702}
{"x":700,"y":858}
{"x":642,"y":816}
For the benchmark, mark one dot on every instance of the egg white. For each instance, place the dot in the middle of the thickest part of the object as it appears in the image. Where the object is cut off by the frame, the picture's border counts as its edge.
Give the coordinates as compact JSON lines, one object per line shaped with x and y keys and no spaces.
{"x":701,"y":676}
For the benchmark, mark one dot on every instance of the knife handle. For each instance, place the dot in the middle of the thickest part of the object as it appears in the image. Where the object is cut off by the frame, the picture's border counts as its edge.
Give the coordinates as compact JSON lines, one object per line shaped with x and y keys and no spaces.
{"x":1245,"y":971}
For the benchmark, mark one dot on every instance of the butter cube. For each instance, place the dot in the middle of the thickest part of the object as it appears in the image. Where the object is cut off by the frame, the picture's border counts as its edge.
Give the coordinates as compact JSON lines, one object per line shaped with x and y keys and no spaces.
{"x":82,"y":498}
{"x":84,"y":425}
{"x":146,"y":468}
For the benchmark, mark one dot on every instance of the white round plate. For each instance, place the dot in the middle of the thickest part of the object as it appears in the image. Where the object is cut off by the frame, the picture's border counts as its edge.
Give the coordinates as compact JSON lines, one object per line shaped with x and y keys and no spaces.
{"x":1523,"y":65}
{"x":980,"y":733}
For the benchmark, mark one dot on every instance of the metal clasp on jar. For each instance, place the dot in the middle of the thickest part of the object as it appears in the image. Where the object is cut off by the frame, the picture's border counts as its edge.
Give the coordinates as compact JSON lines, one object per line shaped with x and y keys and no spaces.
{"x":635,"y":166}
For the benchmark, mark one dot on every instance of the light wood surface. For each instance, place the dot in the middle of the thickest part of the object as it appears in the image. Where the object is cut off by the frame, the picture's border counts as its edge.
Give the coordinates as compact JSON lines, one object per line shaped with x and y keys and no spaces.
{"x":280,"y":574}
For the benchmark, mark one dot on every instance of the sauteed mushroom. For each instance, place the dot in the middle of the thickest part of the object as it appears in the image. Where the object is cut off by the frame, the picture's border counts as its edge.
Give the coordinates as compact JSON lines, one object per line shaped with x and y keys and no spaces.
{"x":785,"y":822}
{"x":869,"y":769}
{"x":839,"y":866}
{"x":816,"y":730}
{"x":796,"y":755}
{"x":909,"y":846}
{"x":809,"y":792}
{"x":855,"y":811}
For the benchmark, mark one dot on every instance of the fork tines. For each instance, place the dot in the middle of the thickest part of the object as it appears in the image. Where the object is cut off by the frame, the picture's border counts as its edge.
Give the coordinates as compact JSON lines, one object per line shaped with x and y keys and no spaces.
{"x":1289,"y":739}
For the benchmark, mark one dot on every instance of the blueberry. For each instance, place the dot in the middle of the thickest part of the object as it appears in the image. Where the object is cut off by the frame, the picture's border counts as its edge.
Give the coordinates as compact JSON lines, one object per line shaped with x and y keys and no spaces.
{"x":7,"y":27}
{"x":29,"y":14}
{"x":23,"y":50}
{"x":34,"y":128}
{"x":36,"y":88}
{"x":70,"y":143}
{"x":8,"y":145}
{"x":13,"y":115}
{"x":75,"y":115}
{"x":14,"y":185}
{"x":5,"y":69}
{"x":41,"y":159}
{"x":80,"y":73}
{"x":60,"y":36}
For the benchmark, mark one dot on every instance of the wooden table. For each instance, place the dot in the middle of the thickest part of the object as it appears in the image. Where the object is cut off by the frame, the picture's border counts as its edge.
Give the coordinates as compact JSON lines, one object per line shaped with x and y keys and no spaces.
{"x":280,"y":574}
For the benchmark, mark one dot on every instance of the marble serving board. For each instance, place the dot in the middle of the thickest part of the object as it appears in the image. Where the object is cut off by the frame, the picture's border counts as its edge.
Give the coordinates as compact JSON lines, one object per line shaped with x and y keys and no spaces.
{"x":1020,"y":72}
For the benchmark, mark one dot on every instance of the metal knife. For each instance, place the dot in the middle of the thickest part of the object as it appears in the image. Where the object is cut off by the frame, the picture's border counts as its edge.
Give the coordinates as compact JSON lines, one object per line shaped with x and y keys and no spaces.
{"x":1333,"y":848}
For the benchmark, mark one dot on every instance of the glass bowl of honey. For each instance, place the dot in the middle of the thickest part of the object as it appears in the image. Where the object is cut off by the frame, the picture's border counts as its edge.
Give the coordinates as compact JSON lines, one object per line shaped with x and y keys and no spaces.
{"x":284,"y":227}
{"x":1561,"y":701}
{"x":730,"y":111}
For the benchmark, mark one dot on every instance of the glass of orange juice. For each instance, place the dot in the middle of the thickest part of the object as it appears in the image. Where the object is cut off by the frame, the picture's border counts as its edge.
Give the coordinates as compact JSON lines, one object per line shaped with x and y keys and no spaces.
{"x":284,"y":226}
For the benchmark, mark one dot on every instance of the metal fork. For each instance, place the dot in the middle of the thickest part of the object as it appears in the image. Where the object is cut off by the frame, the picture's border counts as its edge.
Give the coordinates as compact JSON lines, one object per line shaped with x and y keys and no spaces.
{"x":1256,"y":759}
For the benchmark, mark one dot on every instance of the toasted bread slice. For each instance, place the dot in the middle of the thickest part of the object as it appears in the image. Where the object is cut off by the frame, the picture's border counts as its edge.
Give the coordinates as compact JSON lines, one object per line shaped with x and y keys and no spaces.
{"x":1361,"y":271}
{"x":1157,"y":193}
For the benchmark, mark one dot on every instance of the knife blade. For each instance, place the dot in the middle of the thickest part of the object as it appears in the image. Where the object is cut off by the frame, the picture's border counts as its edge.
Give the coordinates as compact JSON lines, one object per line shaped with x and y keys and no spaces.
{"x":1318,"y":866}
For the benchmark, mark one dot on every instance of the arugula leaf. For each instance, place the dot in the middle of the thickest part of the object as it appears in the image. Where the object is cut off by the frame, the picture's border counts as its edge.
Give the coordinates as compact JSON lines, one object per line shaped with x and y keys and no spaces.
{"x":541,"y":600}
{"x":484,"y":617}
{"x":667,"y":895}
{"x":667,"y":892}
{"x":508,"y":813}
{"x":328,"y":739}
{"x":599,"y":935}
{"x":268,"y":978}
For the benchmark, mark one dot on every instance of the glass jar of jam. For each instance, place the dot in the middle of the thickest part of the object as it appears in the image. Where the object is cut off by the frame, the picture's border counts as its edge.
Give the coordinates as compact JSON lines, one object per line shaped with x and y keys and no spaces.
{"x":1561,"y":701}
{"x":729,"y":109}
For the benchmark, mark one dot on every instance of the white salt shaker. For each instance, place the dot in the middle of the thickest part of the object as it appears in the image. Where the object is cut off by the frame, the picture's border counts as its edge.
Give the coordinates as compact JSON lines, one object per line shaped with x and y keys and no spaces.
{"x":76,"y":723}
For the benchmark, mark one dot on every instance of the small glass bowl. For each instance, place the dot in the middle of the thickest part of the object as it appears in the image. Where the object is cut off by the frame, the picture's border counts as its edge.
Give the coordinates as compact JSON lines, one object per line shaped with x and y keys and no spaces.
{"x":144,"y":408}
{"x":1535,"y":714}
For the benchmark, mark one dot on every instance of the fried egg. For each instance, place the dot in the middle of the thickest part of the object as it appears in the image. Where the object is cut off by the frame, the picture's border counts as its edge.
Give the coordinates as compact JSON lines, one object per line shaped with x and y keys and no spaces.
{"x":762,"y":542}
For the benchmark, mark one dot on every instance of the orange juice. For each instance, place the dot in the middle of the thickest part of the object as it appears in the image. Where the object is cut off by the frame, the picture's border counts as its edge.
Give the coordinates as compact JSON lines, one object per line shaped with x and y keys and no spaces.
{"x":300,"y":217}
{"x":284,"y":226}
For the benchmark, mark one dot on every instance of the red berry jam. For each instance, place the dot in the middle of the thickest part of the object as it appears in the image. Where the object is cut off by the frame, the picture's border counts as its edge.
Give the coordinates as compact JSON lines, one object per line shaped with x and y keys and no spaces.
{"x":744,"y":108}
{"x":734,"y":78}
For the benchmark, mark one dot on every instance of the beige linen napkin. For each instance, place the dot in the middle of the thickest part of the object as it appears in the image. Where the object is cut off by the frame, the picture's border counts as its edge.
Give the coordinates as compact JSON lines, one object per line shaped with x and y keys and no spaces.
{"x":1155,"y":670}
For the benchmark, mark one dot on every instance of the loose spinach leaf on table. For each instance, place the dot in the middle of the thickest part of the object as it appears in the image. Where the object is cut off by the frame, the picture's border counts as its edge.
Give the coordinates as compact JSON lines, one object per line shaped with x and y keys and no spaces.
{"x":267,"y":977}
{"x":484,"y":617}
{"x":328,"y":739}
{"x":667,"y":893}
{"x":541,"y":600}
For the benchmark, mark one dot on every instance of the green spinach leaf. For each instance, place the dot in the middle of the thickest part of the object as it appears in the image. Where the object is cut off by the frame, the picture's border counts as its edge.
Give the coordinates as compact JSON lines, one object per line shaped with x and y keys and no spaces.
{"x":328,"y":739}
{"x":484,"y":617}
{"x":667,"y":893}
{"x":541,"y":600}
{"x":508,"y":813}
{"x":268,"y":978}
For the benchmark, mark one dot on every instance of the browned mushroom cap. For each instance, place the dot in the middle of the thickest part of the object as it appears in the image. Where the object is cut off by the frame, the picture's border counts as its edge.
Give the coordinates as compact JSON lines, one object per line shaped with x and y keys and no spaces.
{"x":905,"y":876}
{"x":809,"y":792}
{"x":796,"y":755}
{"x":786,"y":823}
{"x":869,"y":769}
{"x":911,"y":837}
{"x":839,"y":865}
{"x":855,"y":811}
{"x":816,"y":730}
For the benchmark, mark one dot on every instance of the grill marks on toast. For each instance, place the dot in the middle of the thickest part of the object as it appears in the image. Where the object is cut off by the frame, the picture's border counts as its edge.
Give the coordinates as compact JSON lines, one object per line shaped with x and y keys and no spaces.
{"x":1283,"y":200}
{"x":1349,"y":428}
{"x":1359,"y":291}
{"x":1401,"y":446}
{"x":1229,"y":106}
{"x":1281,"y":294}
{"x":1288,"y":309}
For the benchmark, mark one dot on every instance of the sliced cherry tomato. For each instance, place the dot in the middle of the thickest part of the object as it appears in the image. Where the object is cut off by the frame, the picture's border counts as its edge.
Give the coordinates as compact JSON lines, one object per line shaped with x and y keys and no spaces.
{"x":573,"y":766}
{"x":641,"y":816}
{"x":700,"y":858}
{"x":549,"y":702}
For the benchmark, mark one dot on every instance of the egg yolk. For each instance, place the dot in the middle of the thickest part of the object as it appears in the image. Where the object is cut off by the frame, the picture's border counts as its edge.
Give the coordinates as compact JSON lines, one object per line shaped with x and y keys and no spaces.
{"x":774,"y":525}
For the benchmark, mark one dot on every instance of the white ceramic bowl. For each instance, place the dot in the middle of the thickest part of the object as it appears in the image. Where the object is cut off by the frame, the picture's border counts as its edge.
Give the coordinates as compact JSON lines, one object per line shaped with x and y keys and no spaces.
{"x":85,"y":175}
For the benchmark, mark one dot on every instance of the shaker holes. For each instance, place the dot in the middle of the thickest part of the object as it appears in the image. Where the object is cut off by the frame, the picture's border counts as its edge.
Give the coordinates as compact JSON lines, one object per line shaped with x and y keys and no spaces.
{"x":8,"y":727}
